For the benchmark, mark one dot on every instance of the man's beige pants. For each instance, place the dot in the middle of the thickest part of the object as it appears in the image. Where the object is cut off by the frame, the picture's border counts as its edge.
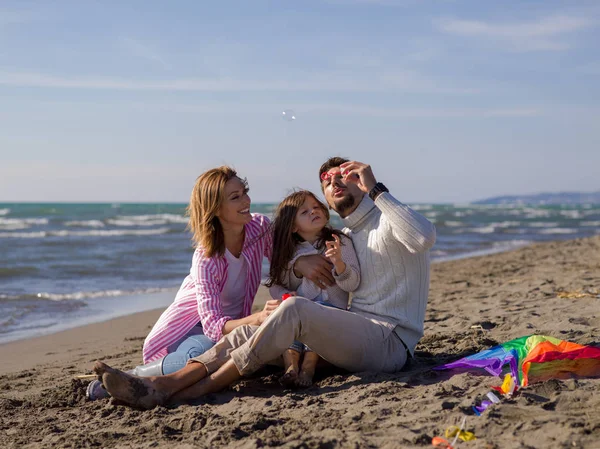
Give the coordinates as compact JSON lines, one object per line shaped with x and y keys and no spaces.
{"x":345,"y":339}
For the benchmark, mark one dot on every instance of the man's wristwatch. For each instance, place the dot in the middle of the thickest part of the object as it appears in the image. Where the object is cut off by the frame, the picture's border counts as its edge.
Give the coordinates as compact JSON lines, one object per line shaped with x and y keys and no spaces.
{"x":376,"y":190}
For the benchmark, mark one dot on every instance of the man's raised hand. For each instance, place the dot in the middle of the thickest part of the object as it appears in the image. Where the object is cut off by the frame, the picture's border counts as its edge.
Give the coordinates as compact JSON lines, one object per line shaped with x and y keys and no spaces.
{"x":360,"y":174}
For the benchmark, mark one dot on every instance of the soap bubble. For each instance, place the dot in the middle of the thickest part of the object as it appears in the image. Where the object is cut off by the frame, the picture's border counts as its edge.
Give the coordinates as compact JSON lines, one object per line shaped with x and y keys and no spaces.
{"x":288,"y":115}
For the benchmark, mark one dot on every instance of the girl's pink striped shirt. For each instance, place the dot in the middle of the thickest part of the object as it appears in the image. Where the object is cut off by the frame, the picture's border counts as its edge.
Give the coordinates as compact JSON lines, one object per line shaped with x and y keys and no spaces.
{"x":199,"y":297}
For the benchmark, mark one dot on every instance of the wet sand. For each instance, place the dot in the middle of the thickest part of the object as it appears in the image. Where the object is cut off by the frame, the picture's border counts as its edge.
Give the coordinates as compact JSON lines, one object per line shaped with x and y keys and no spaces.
{"x":504,"y":296}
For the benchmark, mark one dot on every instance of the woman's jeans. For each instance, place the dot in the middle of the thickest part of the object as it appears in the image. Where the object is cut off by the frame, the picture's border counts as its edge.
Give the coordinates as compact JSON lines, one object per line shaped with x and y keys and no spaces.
{"x":192,"y":345}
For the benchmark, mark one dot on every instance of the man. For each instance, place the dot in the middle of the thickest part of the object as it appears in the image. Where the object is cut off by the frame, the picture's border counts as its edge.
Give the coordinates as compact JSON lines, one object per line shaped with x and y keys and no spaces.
{"x":379,"y":332}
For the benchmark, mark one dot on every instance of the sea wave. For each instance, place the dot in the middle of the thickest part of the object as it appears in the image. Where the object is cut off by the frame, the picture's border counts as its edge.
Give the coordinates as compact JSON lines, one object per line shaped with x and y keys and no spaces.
{"x":453,"y":224}
{"x":95,"y":233}
{"x":17,"y":271}
{"x":536,"y":213}
{"x":506,"y":224}
{"x":14,"y":227}
{"x":141,"y":220}
{"x":78,"y":296}
{"x":85,"y":223}
{"x":542,"y":224}
{"x":483,"y":229}
{"x":559,"y":231}
{"x":571,"y":214}
{"x":4,"y":211}
{"x":27,"y":222}
{"x":590,"y":223}
{"x":133,"y":223}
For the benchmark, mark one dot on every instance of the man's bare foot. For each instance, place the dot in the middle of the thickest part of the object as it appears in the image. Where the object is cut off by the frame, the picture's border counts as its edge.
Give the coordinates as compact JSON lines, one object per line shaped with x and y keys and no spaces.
{"x":134,"y":391}
{"x":291,"y":361}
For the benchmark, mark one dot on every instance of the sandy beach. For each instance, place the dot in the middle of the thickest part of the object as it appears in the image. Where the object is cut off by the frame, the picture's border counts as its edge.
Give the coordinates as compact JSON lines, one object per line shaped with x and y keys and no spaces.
{"x":474,"y":304}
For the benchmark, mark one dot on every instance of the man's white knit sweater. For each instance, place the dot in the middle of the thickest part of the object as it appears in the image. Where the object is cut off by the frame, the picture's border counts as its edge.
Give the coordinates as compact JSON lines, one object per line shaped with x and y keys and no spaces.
{"x":392,"y":244}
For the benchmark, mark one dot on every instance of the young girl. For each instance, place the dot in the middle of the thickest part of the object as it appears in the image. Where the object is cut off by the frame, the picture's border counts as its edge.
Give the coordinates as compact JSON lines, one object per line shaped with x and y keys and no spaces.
{"x":217,"y":295}
{"x":301,"y":227}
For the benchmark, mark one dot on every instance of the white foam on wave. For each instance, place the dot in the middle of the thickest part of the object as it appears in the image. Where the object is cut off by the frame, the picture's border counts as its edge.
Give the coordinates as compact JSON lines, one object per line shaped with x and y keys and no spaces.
{"x":98,"y":294}
{"x":14,"y":227}
{"x":132,"y":223}
{"x":542,"y":224}
{"x":483,"y":229}
{"x":23,"y":235}
{"x":536,"y":213}
{"x":95,"y":233}
{"x":571,"y":214}
{"x":559,"y":231}
{"x":590,"y":223}
{"x":4,"y":211}
{"x":453,"y":224}
{"x":142,"y":220}
{"x":506,"y":224}
{"x":26,"y":221}
{"x":85,"y":224}
{"x":16,"y":224}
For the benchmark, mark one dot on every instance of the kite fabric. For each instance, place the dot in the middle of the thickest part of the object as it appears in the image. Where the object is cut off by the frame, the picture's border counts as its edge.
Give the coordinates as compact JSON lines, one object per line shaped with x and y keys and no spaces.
{"x":535,"y":358}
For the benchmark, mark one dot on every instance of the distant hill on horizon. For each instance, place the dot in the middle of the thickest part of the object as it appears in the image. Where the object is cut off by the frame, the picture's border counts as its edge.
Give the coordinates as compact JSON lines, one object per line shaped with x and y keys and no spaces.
{"x":545,"y":198}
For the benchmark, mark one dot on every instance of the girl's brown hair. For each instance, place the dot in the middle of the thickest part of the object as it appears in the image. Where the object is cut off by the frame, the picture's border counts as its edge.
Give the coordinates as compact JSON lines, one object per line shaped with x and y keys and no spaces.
{"x":285,"y":240}
{"x":206,"y":200}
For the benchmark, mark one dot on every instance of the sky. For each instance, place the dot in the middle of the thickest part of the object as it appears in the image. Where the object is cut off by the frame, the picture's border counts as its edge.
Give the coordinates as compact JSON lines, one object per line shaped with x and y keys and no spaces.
{"x":449,"y":101}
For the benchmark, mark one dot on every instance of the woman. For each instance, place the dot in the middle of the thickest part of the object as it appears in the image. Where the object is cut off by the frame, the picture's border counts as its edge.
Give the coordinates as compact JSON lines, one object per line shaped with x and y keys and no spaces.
{"x":217,"y":296}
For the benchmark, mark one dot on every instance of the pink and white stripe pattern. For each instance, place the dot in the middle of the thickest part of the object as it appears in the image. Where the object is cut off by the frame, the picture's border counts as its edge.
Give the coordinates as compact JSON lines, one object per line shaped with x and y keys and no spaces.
{"x":199,"y":297}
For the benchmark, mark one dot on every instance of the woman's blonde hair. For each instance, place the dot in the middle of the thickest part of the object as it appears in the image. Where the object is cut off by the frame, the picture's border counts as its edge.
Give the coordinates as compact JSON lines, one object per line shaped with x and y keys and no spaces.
{"x":206,"y":200}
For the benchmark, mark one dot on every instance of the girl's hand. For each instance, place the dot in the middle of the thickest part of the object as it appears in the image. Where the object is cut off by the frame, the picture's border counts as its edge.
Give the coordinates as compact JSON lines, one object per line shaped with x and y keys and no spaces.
{"x":269,"y":308}
{"x":334,"y":254}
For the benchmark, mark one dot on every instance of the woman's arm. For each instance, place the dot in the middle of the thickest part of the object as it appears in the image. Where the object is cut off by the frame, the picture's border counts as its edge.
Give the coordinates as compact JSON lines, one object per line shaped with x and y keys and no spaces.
{"x":256,"y":319}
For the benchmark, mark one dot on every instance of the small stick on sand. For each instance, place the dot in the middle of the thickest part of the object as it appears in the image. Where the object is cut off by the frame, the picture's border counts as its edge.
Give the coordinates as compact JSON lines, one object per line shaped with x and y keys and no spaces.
{"x":86,"y":376}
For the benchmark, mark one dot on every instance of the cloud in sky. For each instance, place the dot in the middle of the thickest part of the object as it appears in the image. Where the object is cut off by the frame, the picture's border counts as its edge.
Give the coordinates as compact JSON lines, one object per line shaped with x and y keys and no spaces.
{"x":539,"y":35}
{"x":330,"y":81}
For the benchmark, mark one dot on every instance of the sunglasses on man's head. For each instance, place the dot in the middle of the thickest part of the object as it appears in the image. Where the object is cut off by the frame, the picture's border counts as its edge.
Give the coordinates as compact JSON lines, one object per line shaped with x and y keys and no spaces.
{"x":334,"y":173}
{"x":328,"y":175}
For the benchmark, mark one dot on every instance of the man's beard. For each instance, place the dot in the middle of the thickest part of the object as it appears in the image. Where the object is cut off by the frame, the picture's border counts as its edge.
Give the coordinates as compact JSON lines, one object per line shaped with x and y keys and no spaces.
{"x":343,"y":205}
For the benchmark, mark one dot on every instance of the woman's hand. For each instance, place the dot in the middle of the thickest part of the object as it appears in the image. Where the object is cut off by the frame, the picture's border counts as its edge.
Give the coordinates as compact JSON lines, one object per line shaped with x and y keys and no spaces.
{"x":267,"y":310}
{"x":334,"y":254}
{"x":316,"y":268}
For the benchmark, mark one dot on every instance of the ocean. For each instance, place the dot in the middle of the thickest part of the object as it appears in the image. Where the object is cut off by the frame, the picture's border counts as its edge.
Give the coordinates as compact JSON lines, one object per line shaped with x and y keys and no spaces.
{"x":63,"y":265}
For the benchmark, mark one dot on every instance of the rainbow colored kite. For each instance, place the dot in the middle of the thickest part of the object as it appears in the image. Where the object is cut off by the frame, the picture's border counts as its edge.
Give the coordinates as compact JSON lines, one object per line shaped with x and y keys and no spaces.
{"x":535,"y":358}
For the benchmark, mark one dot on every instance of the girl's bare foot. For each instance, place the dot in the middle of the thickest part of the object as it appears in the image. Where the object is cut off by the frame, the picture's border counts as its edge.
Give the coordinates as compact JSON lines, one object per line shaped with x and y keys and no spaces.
{"x":291,"y":360}
{"x":305,"y":378}
{"x":135,"y":391}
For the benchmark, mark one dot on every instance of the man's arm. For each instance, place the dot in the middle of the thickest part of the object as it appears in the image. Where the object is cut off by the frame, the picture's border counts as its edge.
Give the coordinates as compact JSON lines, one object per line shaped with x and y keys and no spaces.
{"x":316,"y":268}
{"x":410,"y":228}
